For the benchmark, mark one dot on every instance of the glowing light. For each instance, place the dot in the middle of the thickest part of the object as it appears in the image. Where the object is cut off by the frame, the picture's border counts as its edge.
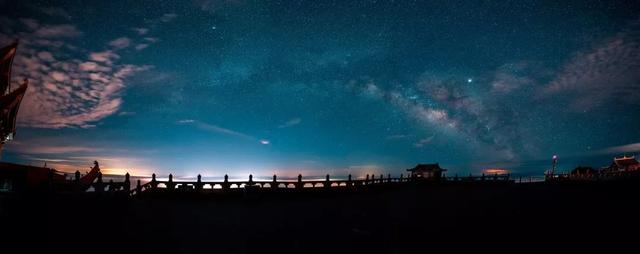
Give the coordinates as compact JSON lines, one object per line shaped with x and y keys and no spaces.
{"x":469,"y":80}
{"x":264,"y":142}
{"x":493,"y":171}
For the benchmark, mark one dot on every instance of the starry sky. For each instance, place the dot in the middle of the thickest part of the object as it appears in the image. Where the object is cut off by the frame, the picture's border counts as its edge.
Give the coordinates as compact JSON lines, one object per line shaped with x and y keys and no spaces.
{"x":317,"y":87}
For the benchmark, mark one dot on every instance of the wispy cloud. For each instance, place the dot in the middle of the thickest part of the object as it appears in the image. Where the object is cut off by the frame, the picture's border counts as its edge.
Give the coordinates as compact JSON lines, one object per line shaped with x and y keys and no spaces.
{"x":606,"y":73}
{"x":628,"y":148}
{"x":397,"y":136}
{"x":290,"y":122}
{"x":423,"y":142}
{"x":183,"y":121}
{"x":217,"y":129}
{"x":120,"y":43}
{"x":140,"y":30}
{"x":57,"y":31}
{"x":22,"y":148}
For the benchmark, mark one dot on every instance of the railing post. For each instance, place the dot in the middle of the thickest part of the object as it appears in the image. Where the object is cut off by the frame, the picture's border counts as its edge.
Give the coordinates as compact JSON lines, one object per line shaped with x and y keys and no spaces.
{"x":366,"y":180}
{"x":455,"y":178}
{"x":154,"y":182}
{"x":327,"y":182}
{"x":401,"y":178}
{"x":299,"y":184}
{"x":482,"y":177}
{"x":77,"y":180}
{"x":199,"y":183}
{"x":349,"y":183}
{"x":373,"y":178}
{"x":138,"y":188}
{"x":170,"y":184}
{"x":274,"y":184}
{"x":250,"y":180}
{"x":225,"y":185}
{"x":111,"y":187}
{"x":127,"y":182}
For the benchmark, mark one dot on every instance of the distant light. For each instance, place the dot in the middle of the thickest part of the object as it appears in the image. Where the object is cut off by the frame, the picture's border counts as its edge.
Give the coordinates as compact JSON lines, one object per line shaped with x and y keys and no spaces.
{"x":469,"y":80}
{"x":555,"y":157}
{"x":494,"y":171}
{"x":264,"y":142}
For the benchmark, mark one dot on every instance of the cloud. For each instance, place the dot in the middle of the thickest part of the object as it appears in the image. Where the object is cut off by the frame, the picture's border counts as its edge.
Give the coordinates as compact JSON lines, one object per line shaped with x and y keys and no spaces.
{"x":290,"y":122}
{"x":31,"y":24}
{"x":422,"y":142}
{"x":141,"y":30}
{"x":216,"y":5}
{"x":511,"y":77}
{"x":628,"y":148}
{"x":183,"y":121}
{"x":397,"y":136}
{"x":66,"y":90}
{"x":54,"y":11}
{"x":106,"y":57}
{"x":142,"y":46}
{"x":51,"y":149}
{"x":120,"y":43}
{"x":168,"y":17}
{"x":606,"y":73}
{"x":51,"y":31}
{"x":221,"y":130}
{"x":215,"y":129}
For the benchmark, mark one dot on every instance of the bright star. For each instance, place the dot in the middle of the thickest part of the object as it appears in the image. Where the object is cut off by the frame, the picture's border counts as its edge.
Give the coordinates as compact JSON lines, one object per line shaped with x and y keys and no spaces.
{"x":469,"y":80}
{"x":264,"y":142}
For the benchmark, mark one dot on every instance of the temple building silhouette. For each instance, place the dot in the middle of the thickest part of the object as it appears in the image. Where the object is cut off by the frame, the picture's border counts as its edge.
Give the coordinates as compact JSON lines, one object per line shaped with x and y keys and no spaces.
{"x":427,"y":171}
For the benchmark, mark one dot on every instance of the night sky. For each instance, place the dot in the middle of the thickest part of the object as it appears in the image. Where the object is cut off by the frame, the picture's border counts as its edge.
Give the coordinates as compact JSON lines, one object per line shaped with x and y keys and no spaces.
{"x":317,"y":87}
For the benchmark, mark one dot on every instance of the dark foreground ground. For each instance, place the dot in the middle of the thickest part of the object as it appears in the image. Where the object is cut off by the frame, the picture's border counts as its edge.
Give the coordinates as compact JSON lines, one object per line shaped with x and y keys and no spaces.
{"x":416,"y":218}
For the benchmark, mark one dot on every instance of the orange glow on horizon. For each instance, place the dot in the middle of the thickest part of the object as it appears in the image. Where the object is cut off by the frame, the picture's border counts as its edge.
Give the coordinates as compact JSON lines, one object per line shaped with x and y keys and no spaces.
{"x":493,"y":171}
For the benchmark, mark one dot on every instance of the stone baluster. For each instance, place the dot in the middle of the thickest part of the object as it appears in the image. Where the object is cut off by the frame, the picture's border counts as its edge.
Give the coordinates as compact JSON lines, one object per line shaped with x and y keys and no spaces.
{"x":154,"y":182}
{"x":199,"y":185}
{"x":138,"y":188}
{"x":299,"y":184}
{"x":274,"y":184}
{"x":76,"y":181}
{"x":170,"y":184}
{"x":225,"y":185}
{"x":349,"y":183}
{"x":366,"y":180}
{"x":127,"y":182}
{"x":327,"y":182}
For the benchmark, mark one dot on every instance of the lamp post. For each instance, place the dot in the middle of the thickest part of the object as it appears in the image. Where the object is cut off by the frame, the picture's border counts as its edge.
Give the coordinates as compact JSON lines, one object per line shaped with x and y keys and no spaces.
{"x":554,"y":162}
